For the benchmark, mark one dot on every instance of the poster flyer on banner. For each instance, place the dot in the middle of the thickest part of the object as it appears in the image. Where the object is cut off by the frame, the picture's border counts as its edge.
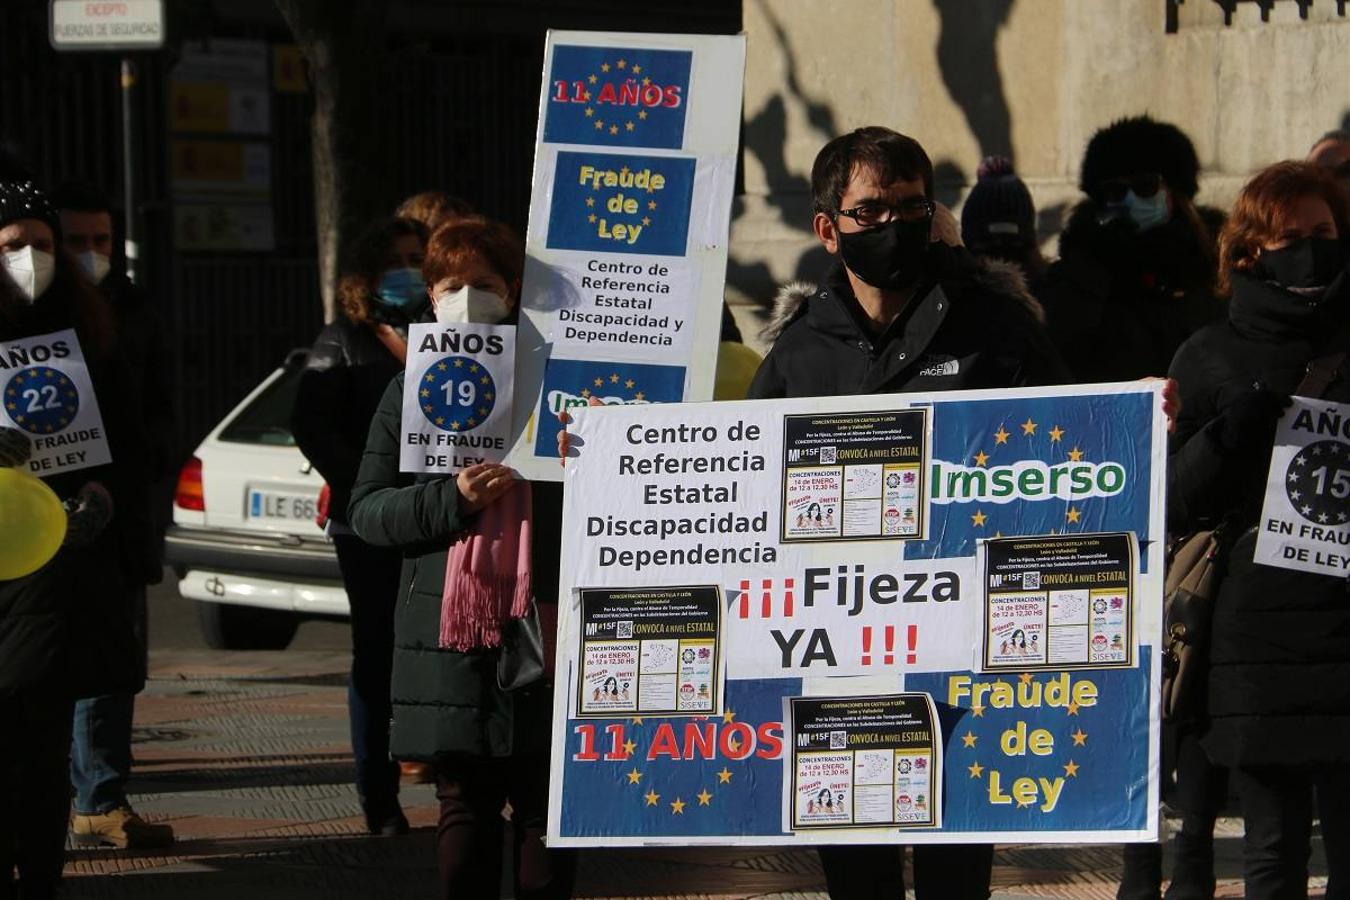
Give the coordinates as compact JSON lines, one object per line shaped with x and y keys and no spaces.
{"x":626,"y":250}
{"x":855,"y":477}
{"x":1058,"y":601}
{"x":49,"y":396}
{"x":654,"y":652}
{"x":863,"y":761}
{"x":457,"y":396}
{"x":1061,"y":746}
{"x":1305,"y":519}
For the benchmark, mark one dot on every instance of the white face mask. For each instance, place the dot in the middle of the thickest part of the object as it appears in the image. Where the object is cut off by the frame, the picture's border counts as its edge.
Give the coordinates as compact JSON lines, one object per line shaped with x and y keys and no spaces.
{"x":32,"y":270}
{"x":471,"y":304}
{"x":95,"y":265}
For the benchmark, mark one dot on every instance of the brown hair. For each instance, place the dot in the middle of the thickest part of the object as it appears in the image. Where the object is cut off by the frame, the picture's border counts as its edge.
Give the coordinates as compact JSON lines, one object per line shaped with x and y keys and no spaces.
{"x":1263,"y":209}
{"x":434,"y":208}
{"x":888,"y":154}
{"x":365,"y":262}
{"x":476,"y":238}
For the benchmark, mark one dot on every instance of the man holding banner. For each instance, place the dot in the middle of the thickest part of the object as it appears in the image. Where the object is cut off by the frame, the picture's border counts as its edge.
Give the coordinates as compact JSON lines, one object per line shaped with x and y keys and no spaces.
{"x":901,"y":312}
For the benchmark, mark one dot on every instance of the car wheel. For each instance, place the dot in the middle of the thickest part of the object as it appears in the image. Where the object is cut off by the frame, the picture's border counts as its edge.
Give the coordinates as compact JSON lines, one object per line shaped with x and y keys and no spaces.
{"x":228,"y":627}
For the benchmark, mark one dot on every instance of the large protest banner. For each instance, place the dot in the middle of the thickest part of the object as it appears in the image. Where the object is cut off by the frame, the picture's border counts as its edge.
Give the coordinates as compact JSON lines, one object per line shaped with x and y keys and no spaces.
{"x":938,"y":623}
{"x":626,"y":251}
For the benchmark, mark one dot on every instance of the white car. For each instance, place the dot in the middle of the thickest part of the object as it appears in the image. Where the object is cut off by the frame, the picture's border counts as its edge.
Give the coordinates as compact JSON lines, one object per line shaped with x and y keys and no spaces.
{"x":244,"y":542}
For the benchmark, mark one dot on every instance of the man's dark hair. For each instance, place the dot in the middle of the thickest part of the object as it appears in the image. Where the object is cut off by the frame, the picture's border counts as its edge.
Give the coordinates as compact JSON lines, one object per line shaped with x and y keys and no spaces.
{"x":81,"y":196}
{"x":891,"y":156}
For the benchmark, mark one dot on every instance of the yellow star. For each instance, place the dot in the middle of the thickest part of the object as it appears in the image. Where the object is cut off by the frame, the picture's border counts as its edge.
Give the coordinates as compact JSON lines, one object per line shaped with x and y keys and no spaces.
{"x":727,"y":716}
{"x":482,"y":410}
{"x":977,"y":712}
{"x":981,"y":458}
{"x":599,"y":125}
{"x":636,"y":720}
{"x":724,"y":776}
{"x":646,"y":221}
{"x":455,"y":426}
{"x":621,"y":64}
{"x":590,"y":201}
{"x":639,"y":396}
{"x":976,"y":770}
{"x":1025,"y":677}
{"x":472,"y":423}
{"x":604,"y":67}
{"x":1028,"y":427}
{"x":592,"y":79}
{"x":734,"y":744}
{"x":1000,"y":436}
{"x":642,"y":114}
{"x":1056,"y":434}
{"x":614,"y":129}
{"x":634,"y":776}
{"x":441,"y":366}
{"x":585,"y":392}
{"x":704,"y":798}
{"x":474,"y":368}
{"x":1072,"y":709}
{"x":425,"y":393}
{"x":677,"y":807}
{"x":1073,"y":515}
{"x":430,"y":378}
{"x":629,"y":384}
{"x":978,"y":518}
{"x":651,"y":204}
{"x":628,"y":126}
{"x":484,"y":380}
{"x":586,"y":96}
{"x":440,"y":420}
{"x":459,"y":364}
{"x":629,"y":746}
{"x":1071,"y":769}
{"x":599,"y":382}
{"x":623,"y":171}
{"x":1079,"y":737}
{"x":591,"y":218}
{"x":590,"y":112}
{"x":652,"y":797}
{"x":969,"y":739}
{"x":487,"y":396}
{"x":614,"y":379}
{"x":645,"y":81}
{"x":636,"y":70}
{"x":1075,"y":454}
{"x":427,"y":408}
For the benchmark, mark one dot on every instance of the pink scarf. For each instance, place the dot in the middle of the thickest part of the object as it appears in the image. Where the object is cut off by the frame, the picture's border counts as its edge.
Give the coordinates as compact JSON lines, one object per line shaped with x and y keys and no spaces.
{"x":487,"y":573}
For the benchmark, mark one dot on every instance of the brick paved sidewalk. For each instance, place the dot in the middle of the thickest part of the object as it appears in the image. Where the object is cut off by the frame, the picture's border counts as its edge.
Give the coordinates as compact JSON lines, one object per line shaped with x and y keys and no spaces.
{"x":247,"y":755}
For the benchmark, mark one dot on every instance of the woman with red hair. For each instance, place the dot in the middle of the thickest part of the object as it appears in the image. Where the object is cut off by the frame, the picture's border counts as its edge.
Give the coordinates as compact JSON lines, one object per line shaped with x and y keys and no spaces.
{"x":1279,"y":680}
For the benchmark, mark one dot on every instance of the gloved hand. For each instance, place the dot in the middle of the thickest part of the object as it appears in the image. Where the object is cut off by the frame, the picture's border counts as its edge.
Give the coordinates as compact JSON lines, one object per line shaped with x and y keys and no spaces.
{"x":1248,"y":422}
{"x":87,"y":514}
{"x":15,"y":447}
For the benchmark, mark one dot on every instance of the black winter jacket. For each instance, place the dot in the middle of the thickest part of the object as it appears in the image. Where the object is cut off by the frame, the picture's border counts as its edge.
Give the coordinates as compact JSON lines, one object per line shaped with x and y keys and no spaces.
{"x":446,"y":703}
{"x":1119,"y":302}
{"x":67,"y":629}
{"x":970,"y":325}
{"x":1279,"y":681}
{"x":349,"y":368}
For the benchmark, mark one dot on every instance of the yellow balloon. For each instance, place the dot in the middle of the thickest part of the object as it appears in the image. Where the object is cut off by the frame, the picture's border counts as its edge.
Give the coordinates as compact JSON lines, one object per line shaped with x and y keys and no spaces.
{"x":32,"y":524}
{"x":736,"y":368}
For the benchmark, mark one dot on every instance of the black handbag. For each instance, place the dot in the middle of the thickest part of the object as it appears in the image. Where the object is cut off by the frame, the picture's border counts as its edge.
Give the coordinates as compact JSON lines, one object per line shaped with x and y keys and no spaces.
{"x":520,"y":659}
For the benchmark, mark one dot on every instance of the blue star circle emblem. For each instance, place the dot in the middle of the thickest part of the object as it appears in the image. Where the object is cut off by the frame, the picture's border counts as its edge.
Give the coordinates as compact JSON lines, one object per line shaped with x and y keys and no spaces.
{"x":41,"y":400}
{"x":1318,"y":483}
{"x":456,"y":393}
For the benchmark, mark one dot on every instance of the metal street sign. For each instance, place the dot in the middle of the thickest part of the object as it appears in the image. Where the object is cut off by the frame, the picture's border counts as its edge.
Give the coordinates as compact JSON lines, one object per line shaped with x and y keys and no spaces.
{"x":107,"y":24}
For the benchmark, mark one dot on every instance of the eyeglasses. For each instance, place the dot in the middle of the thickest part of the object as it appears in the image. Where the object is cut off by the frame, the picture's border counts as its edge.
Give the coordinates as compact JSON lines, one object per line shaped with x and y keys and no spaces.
{"x":871,"y":214}
{"x":1113,"y":190}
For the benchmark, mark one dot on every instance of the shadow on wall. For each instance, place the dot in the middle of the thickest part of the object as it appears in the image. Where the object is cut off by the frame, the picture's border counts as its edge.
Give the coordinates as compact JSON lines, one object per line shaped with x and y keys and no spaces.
{"x":967,"y":56}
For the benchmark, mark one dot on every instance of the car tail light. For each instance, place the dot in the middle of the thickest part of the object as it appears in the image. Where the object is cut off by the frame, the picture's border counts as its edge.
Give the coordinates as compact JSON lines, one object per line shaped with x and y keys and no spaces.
{"x":190,"y":494}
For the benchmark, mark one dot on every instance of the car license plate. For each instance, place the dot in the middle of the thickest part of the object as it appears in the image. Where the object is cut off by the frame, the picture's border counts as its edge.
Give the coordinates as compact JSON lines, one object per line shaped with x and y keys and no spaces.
{"x":281,"y":505}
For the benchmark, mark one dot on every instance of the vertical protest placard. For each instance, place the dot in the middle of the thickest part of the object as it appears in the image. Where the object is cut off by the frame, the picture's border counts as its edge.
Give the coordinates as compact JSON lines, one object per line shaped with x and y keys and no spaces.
{"x":627,"y":246}
{"x":48,"y":395}
{"x":1305,"y":520}
{"x":456,"y":396}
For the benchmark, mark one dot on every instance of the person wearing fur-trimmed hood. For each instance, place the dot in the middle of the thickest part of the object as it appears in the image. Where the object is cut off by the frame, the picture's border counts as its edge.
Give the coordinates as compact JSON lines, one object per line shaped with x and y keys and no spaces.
{"x":903,"y":310}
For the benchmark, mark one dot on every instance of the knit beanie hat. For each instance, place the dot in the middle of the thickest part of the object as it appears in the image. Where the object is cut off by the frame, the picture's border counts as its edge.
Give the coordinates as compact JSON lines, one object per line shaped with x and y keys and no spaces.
{"x":999,"y":207}
{"x":21,"y":198}
{"x":1141,"y":145}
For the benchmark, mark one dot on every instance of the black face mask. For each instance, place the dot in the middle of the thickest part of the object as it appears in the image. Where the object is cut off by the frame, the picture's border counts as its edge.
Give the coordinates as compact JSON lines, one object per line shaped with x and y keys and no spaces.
{"x":888,"y":256}
{"x":1306,"y":263}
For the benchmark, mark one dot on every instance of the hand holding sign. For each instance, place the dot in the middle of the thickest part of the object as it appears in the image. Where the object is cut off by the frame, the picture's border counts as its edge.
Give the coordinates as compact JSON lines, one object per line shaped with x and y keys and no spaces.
{"x":481,"y":485}
{"x":570,"y":444}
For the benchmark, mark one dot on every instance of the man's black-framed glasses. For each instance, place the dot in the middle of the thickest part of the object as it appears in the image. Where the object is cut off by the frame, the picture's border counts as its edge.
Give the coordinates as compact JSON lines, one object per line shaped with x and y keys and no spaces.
{"x":873,"y":213}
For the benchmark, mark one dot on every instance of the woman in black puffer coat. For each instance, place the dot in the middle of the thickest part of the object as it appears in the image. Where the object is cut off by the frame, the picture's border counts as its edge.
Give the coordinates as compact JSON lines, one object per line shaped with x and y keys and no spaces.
{"x":1279,"y":682}
{"x":66,"y":629}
